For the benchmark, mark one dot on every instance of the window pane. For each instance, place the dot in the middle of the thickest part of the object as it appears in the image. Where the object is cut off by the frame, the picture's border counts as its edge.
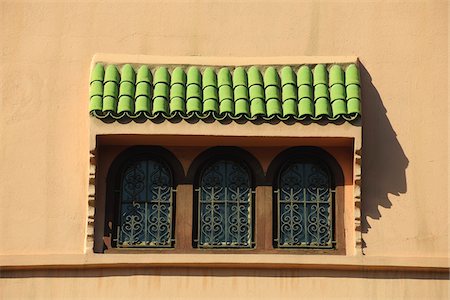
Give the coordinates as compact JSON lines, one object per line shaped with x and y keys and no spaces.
{"x":304,"y":205}
{"x":146,"y":206}
{"x":225,"y":206}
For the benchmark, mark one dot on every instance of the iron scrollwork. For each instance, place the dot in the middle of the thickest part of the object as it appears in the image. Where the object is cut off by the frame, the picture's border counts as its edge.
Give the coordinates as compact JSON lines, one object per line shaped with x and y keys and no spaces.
{"x":225,"y":206}
{"x":305,"y":201}
{"x":146,"y":205}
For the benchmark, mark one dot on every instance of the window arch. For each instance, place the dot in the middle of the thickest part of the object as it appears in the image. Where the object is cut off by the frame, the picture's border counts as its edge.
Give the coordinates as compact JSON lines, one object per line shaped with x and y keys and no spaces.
{"x":140,"y":199}
{"x":306,"y":183}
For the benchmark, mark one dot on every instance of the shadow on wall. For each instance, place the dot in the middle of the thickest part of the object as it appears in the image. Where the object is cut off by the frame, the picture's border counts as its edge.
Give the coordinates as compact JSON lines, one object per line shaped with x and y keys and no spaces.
{"x":222,"y":272}
{"x":383,"y":161}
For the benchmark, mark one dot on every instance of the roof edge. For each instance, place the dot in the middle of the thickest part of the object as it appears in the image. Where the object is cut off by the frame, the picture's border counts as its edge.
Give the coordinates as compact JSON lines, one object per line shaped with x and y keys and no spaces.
{"x":219,"y":60}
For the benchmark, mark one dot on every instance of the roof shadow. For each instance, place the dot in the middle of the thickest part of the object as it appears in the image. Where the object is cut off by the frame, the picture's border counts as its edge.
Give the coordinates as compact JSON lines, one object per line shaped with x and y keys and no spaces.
{"x":384,"y":162}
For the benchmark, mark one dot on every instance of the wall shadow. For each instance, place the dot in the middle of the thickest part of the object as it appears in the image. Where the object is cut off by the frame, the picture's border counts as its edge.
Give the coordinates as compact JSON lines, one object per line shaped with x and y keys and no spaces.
{"x":223,"y":272}
{"x":384,"y":162}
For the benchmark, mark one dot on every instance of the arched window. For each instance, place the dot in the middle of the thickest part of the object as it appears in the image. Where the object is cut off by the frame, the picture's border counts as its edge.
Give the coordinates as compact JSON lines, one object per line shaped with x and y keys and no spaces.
{"x":145,"y":211}
{"x":304,"y":205}
{"x":308,"y":200}
{"x":225,"y":206}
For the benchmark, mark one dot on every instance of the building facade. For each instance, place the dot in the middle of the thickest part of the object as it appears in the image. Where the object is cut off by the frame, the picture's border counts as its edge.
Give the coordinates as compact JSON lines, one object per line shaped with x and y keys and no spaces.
{"x":97,"y":98}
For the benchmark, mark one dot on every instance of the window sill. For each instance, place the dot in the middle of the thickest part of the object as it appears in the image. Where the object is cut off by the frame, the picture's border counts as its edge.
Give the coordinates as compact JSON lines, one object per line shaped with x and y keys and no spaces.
{"x":260,"y":261}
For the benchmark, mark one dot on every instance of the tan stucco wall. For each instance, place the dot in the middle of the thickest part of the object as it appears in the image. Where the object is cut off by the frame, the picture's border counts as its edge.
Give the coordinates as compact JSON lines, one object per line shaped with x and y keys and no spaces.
{"x":46,"y":51}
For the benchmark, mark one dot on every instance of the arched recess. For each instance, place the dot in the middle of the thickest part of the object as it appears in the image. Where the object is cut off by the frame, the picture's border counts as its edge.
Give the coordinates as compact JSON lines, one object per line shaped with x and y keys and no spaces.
{"x":226,"y":152}
{"x":308,"y":199}
{"x":138,"y":163}
{"x":224,"y":180}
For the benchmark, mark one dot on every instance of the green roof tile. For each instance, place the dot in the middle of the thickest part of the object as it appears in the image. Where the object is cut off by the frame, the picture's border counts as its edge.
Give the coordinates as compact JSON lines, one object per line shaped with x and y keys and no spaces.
{"x":211,"y":105}
{"x":142,"y":104}
{"x":224,"y":77}
{"x":353,"y":91}
{"x":257,"y":107}
{"x":194,"y":77}
{"x":96,"y":88}
{"x":273,"y":107}
{"x":320,"y":75}
{"x":339,"y":107}
{"x":322,"y":107}
{"x":304,"y":76}
{"x":96,"y":103}
{"x":209,"y":78}
{"x":254,"y":77}
{"x":98,"y":73}
{"x":305,"y":108}
{"x":336,"y":75}
{"x":290,"y":108}
{"x":337,"y":91}
{"x":351,"y":75}
{"x":177,"y":105}
{"x":128,"y":74}
{"x":112,"y":74}
{"x":161,"y":76}
{"x":288,"y":76}
{"x":289,"y":92}
{"x":305,"y":91}
{"x":144,"y":75}
{"x":271,"y":77}
{"x":160,"y":105}
{"x":226,"y":107}
{"x":178,"y":91}
{"x":225,"y":93}
{"x":321,"y":91}
{"x":240,"y":77}
{"x":178,"y":77}
{"x":254,"y":92}
{"x":210,"y":92}
{"x":161,"y":90}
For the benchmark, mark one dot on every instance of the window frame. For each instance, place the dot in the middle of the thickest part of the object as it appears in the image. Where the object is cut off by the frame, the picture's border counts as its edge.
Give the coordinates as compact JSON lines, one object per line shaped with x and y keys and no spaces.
{"x":111,"y":208}
{"x":317,"y":154}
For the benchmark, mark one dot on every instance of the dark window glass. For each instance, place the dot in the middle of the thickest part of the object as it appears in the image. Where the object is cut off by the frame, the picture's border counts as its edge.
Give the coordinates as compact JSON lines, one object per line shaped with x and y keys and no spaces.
{"x":225,"y":206}
{"x":304,"y":206}
{"x":146,"y":206}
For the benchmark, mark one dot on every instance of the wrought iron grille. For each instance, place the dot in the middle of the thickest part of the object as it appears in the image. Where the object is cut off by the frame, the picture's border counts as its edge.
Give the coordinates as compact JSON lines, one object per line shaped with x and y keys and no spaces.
{"x":304,"y":207}
{"x":225,"y":207}
{"x":146,"y":206}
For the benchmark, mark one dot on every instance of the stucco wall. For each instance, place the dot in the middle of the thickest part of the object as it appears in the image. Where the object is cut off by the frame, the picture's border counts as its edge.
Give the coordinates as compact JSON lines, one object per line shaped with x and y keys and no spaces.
{"x":46,"y":49}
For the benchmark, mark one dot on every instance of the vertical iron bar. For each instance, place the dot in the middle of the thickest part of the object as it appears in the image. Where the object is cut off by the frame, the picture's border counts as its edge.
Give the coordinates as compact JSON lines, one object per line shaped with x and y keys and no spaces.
{"x":278,"y":217}
{"x":169,"y":215}
{"x":212,"y":215}
{"x":318,"y":216}
{"x":146,"y":240}
{"x":304,"y":216}
{"x":238,"y":238}
{"x":158,"y":222}
{"x":148,"y":198}
{"x":250,"y":217}
{"x":226,"y":229}
{"x":199,"y":222}
{"x":330,"y":213}
{"x":291,"y":198}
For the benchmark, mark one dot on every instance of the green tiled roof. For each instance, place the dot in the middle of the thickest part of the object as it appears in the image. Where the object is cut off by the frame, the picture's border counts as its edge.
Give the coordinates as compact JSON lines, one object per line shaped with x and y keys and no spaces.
{"x":252,"y":92}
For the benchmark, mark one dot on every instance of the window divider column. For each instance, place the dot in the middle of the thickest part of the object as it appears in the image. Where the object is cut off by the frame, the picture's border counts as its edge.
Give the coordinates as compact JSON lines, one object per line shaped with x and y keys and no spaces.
{"x":263,"y":222}
{"x":183,"y":218}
